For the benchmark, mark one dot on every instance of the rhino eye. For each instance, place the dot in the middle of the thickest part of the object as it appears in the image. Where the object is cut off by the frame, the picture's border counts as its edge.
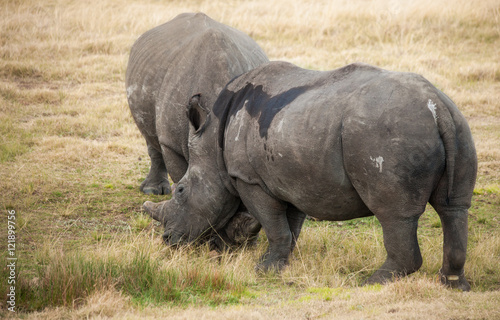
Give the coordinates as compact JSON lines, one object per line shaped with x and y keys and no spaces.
{"x":180,"y":189}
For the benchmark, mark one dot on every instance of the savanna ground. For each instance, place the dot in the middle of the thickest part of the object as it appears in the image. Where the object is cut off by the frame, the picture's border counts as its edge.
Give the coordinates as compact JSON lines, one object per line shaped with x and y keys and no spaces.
{"x":71,"y":161}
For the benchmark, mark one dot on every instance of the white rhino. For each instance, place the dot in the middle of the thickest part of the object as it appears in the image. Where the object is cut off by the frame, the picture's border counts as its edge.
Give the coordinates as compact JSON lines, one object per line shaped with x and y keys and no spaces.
{"x":336,"y":145}
{"x":191,"y":54}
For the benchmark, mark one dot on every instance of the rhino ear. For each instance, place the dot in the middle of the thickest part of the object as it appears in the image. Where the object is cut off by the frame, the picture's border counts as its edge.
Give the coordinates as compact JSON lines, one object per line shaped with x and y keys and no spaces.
{"x":197,"y":114}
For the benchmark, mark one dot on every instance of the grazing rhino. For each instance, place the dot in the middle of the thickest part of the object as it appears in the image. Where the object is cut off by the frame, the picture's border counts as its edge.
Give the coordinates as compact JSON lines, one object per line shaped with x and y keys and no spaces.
{"x":168,"y":64}
{"x":336,"y":145}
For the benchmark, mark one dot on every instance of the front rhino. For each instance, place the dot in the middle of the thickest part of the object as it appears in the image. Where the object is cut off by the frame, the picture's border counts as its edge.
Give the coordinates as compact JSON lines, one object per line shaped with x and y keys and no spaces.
{"x":201,"y":207}
{"x":383,"y":143}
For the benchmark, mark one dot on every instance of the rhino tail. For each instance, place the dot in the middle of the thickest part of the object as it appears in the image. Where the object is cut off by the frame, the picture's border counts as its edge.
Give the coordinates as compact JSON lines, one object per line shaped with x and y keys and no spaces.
{"x":448,"y":133}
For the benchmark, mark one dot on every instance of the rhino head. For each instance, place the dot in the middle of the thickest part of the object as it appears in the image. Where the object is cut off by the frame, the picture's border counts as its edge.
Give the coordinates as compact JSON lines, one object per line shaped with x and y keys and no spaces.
{"x":202,"y":207}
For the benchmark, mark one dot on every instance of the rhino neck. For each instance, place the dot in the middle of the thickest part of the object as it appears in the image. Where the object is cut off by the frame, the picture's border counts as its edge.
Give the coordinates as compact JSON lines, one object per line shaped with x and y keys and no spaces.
{"x":226,"y":179}
{"x":221,"y":112}
{"x":224,"y":176}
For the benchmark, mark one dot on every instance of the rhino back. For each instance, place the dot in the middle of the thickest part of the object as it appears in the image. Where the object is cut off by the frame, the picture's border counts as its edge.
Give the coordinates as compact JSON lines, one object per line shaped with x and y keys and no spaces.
{"x":328,"y":142}
{"x":188,"y":55}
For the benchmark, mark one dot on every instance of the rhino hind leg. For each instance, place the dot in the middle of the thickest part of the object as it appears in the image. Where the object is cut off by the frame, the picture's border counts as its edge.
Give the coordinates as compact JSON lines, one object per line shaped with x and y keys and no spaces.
{"x":157,"y":180}
{"x":403,"y":252}
{"x":454,"y":221}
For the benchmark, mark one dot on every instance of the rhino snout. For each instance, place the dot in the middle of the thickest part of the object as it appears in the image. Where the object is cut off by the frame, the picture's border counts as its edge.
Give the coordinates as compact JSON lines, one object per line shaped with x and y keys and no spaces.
{"x":172,"y":238}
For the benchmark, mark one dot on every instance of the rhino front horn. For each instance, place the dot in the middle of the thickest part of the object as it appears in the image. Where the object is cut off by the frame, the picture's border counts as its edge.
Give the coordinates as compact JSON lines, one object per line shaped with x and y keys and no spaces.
{"x":154,"y":210}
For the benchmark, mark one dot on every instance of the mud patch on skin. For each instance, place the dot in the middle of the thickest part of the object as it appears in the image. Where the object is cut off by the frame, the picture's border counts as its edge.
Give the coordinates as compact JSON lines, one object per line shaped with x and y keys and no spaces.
{"x":254,"y":99}
{"x":432,"y":107}
{"x":130,"y":90}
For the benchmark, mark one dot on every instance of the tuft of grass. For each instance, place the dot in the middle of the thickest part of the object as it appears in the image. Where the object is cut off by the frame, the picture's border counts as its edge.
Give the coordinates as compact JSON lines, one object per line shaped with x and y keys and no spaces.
{"x":490,"y":189}
{"x":20,"y":70}
{"x":436,"y":224}
{"x":482,"y":259}
{"x":68,"y":278}
{"x":329,"y":255}
{"x":140,"y":221}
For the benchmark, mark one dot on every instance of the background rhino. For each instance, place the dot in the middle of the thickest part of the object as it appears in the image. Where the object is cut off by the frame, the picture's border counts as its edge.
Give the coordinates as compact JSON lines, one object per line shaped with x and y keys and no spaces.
{"x":191,"y":54}
{"x":168,"y":64}
{"x":337,"y":145}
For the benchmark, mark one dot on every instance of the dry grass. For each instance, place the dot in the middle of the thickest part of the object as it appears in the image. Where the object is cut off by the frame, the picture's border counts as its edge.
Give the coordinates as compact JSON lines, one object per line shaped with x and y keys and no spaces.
{"x":71,"y":158}
{"x":288,"y":296}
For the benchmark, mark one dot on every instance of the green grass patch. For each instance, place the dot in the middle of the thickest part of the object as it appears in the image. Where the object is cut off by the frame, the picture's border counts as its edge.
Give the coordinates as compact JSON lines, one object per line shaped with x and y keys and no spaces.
{"x":490,"y":189}
{"x":326,"y":293}
{"x":140,"y":221}
{"x":373,"y":288}
{"x":67,"y":279}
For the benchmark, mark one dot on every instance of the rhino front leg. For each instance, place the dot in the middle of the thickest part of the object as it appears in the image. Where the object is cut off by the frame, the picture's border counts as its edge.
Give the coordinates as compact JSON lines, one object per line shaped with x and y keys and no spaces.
{"x":272,"y":215}
{"x":157,"y":180}
{"x":295,"y":219}
{"x":403,"y":252}
{"x":175,"y":162}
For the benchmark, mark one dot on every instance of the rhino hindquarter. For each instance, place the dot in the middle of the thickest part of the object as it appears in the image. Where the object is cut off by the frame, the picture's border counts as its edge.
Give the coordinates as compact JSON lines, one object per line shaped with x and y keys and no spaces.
{"x":394,"y":156}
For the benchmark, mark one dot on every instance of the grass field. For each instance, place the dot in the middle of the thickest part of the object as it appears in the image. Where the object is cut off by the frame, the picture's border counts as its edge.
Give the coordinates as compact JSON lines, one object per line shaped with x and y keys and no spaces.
{"x":72,"y":159}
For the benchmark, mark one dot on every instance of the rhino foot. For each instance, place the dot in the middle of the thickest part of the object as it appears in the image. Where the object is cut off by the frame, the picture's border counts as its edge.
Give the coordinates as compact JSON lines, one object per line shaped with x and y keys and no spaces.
{"x":381,"y":277}
{"x":268,"y":263}
{"x":271,"y":266}
{"x":155,"y":187}
{"x":455,"y":281}
{"x":241,"y":230}
{"x":157,"y":180}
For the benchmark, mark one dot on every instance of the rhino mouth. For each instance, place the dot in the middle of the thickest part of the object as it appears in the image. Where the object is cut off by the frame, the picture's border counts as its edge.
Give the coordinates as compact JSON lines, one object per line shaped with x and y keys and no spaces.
{"x":176,"y":238}
{"x":172,"y":238}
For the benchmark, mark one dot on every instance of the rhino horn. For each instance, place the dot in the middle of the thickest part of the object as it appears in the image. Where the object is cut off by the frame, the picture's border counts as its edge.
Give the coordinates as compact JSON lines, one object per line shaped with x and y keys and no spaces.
{"x":154,"y":210}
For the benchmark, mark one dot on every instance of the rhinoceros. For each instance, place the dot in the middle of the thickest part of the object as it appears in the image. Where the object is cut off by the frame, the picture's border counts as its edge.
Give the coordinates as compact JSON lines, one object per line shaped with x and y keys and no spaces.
{"x":191,"y":54}
{"x":168,"y":64}
{"x":336,"y":145}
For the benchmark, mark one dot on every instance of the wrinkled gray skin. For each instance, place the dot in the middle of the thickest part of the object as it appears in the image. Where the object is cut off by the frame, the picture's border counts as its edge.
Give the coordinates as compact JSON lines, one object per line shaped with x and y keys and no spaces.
{"x":336,"y":145}
{"x":191,"y":54}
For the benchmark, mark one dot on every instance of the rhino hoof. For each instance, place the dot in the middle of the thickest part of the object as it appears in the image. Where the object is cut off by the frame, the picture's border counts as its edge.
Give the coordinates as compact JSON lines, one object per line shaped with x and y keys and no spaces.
{"x":455,"y":281}
{"x":163,"y":188}
{"x":274,"y":267}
